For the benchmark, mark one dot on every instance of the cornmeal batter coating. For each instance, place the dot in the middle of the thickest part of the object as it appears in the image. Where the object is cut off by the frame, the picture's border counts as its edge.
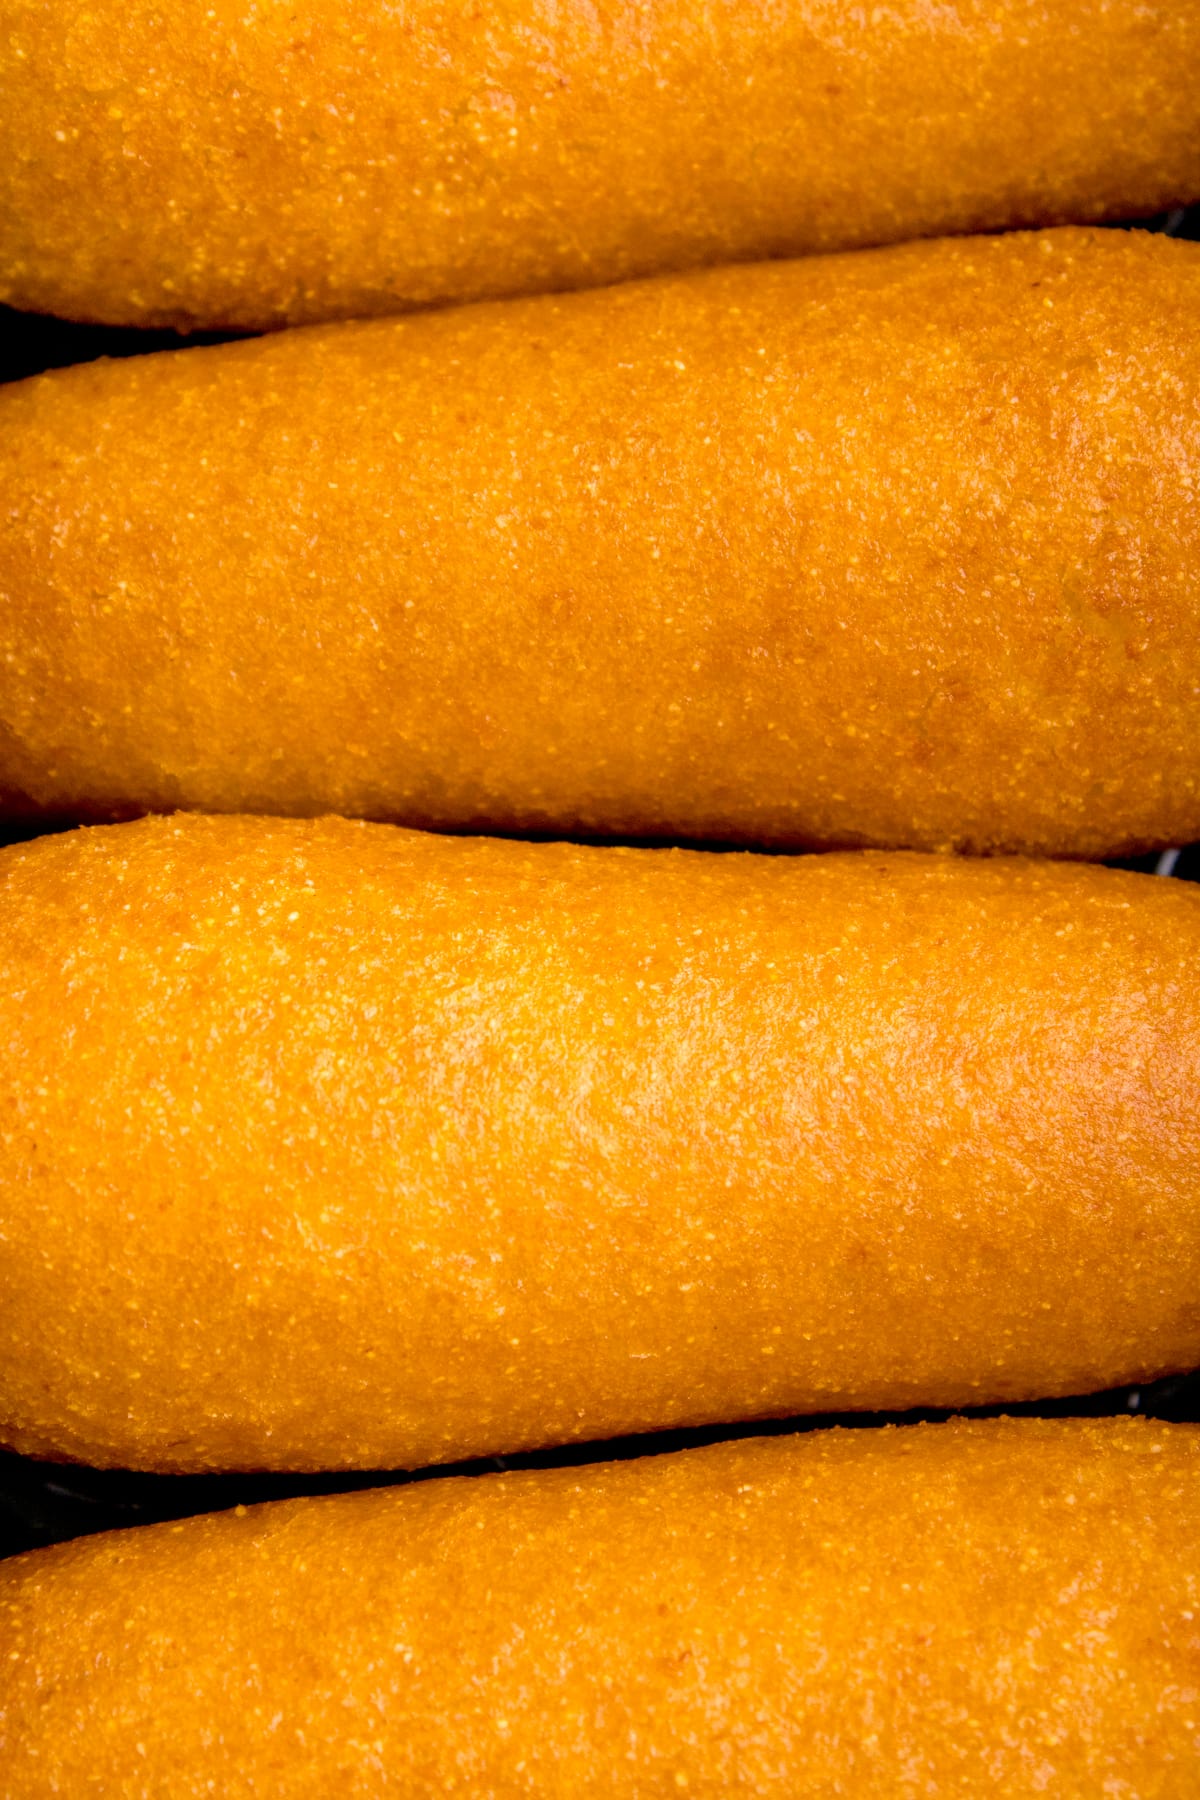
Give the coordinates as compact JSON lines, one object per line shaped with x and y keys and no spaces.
{"x":329,"y":1145}
{"x":1000,"y":1608}
{"x":205,"y":163}
{"x":893,"y":548}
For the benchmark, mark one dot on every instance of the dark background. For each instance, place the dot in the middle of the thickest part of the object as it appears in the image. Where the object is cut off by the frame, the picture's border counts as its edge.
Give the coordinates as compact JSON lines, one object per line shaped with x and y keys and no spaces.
{"x":41,"y":1503}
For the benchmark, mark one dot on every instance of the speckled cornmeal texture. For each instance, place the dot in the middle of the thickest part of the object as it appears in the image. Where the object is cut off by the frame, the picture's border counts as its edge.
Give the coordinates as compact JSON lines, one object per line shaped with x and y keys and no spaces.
{"x":893,"y":548}
{"x":1003,"y":1608}
{"x":329,"y":1145}
{"x":248,"y":162}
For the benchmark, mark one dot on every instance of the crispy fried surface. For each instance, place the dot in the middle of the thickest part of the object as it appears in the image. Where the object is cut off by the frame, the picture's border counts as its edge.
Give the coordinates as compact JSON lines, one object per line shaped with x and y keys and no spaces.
{"x":971,"y":1609}
{"x":206,"y":163}
{"x":898,"y":547}
{"x":331,"y":1146}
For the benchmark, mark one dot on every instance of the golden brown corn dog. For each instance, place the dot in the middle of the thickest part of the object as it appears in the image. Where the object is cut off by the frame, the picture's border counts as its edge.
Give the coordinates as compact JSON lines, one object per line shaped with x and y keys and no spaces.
{"x":998,"y":1608}
{"x":199,"y":164}
{"x":897,"y":548}
{"x":330,"y":1145}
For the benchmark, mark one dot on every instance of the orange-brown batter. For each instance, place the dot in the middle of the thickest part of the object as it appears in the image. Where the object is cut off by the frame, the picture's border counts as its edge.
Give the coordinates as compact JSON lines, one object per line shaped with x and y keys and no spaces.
{"x":999,"y":1609}
{"x":203,"y":162}
{"x":899,"y":547}
{"x":328,"y":1145}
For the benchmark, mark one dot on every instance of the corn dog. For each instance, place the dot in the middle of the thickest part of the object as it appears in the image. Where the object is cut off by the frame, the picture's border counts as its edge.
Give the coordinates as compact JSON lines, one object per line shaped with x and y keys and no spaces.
{"x":330,"y":1145}
{"x":201,"y":165}
{"x":894,"y":548}
{"x":996,"y":1608}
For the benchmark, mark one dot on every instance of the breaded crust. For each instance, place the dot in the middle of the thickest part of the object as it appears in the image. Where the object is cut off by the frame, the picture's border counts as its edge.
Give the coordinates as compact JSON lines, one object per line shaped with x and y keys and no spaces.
{"x":991,"y":1609}
{"x":894,"y":548}
{"x":330,"y":1145}
{"x":200,"y":163}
